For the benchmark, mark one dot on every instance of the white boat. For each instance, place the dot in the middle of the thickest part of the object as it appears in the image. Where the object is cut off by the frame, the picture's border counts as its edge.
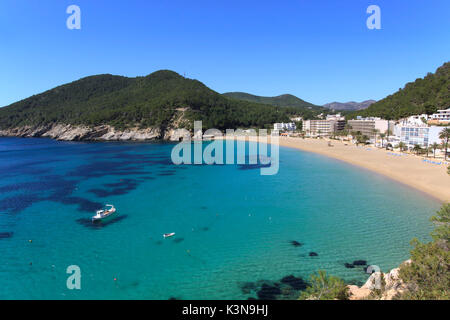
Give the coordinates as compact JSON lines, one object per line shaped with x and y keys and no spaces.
{"x":167,"y":235}
{"x":104,"y":213}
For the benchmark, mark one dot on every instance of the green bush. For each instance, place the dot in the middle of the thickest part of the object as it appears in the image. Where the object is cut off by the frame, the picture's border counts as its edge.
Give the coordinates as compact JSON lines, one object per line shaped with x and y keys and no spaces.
{"x":427,"y":277}
{"x":324,"y":287}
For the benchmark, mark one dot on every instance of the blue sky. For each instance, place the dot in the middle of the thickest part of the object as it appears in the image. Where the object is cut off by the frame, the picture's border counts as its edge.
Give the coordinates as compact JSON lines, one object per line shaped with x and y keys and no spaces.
{"x":318,"y":50}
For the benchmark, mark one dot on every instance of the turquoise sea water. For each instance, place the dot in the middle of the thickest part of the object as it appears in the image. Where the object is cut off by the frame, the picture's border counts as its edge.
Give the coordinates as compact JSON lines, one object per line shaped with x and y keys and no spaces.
{"x":234,"y":228}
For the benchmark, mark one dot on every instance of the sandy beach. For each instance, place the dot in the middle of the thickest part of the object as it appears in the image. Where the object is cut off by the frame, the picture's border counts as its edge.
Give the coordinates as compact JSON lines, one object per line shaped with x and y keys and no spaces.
{"x":408,"y":169}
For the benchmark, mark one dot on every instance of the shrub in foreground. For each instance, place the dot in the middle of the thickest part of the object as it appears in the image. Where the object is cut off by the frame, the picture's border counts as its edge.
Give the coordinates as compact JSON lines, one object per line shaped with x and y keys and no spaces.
{"x":324,"y":287}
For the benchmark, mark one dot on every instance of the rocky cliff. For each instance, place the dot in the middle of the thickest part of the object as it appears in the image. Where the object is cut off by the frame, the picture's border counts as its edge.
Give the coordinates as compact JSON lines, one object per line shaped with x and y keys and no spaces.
{"x":98,"y":133}
{"x":379,"y":286}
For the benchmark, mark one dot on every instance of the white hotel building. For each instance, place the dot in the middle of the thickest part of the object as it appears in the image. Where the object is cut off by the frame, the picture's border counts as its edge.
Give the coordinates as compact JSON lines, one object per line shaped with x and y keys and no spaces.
{"x":290,"y":126}
{"x":441,"y":117}
{"x":413,"y":130}
{"x":324,"y":127}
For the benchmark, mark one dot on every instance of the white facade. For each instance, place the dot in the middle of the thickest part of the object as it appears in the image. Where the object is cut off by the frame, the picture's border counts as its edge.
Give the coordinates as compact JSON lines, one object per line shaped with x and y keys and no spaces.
{"x":417,"y":120}
{"x":315,"y":128}
{"x":367,"y":126}
{"x":434,"y":133}
{"x":412,"y":135}
{"x":381,"y":125}
{"x":441,"y":116}
{"x":421,"y":135}
{"x":336,"y":116}
{"x":290,"y":126}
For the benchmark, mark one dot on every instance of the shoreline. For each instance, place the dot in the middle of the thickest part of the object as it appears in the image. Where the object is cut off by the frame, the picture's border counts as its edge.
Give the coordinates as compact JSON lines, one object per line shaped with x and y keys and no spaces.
{"x":407,"y":169}
{"x":410,"y":170}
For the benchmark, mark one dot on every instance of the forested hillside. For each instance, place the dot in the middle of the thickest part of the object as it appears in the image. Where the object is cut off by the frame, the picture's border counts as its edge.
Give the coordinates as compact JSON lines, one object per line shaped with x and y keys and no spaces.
{"x":425,"y":95}
{"x":288,"y":102}
{"x":149,"y":101}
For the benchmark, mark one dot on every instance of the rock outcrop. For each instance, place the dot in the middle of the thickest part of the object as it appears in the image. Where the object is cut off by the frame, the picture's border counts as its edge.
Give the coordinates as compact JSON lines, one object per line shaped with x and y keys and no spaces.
{"x":382,"y":286}
{"x":69,"y":132}
{"x":177,"y":135}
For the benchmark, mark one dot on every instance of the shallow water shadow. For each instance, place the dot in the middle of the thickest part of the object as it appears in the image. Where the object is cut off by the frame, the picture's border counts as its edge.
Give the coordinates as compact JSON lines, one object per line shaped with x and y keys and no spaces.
{"x":83,"y":204}
{"x":58,"y":188}
{"x":268,"y":292}
{"x":18,"y":203}
{"x":296,"y":283}
{"x":106,"y":168}
{"x":101,"y":224}
{"x":349,"y":265}
{"x":28,"y":168}
{"x":356,"y":263}
{"x":115,"y":189}
{"x":253,"y":166}
{"x":165,"y":174}
{"x":288,"y":288}
{"x":144,"y":178}
{"x":296,"y":243}
{"x":6,"y":235}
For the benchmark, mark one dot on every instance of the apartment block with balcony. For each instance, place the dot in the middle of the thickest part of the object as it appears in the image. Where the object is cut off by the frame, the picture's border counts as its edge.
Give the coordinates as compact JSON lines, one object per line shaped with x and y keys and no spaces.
{"x":367,"y":126}
{"x":422,"y":135}
{"x":290,"y":126}
{"x":441,"y":117}
{"x":323,"y":128}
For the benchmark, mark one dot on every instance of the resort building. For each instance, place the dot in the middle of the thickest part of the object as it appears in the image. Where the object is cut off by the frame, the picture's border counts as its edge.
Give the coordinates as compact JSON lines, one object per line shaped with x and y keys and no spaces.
{"x":441,"y":117}
{"x":290,"y":126}
{"x":413,"y":135}
{"x":418,"y":120}
{"x":336,"y":116}
{"x":367,"y":126}
{"x":339,"y":121}
{"x":296,"y":119}
{"x":316,"y":128}
{"x":422,"y":135}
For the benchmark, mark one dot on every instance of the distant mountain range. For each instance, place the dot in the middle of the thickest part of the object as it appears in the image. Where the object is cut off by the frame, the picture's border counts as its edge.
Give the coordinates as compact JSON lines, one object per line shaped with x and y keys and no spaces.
{"x":288,"y":102}
{"x":349,"y":106}
{"x":284,"y":100}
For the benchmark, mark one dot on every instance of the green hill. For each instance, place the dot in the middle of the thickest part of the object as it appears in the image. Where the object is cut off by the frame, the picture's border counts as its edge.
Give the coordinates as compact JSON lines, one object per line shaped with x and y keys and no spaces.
{"x":425,"y":95}
{"x":291,"y":103}
{"x":285,"y":100}
{"x":150,"y":101}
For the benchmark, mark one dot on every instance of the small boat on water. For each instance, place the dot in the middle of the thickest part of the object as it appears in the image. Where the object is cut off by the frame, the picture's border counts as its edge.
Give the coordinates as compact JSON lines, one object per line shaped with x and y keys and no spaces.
{"x":104,"y":213}
{"x":168,"y":235}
